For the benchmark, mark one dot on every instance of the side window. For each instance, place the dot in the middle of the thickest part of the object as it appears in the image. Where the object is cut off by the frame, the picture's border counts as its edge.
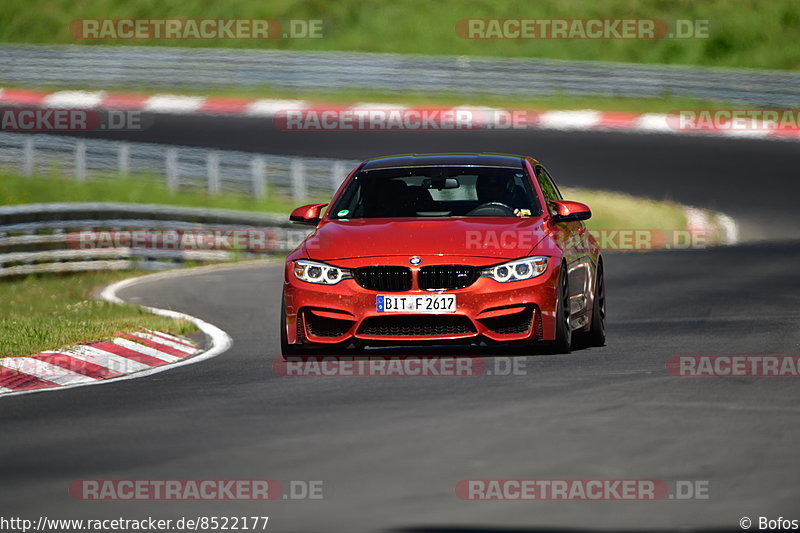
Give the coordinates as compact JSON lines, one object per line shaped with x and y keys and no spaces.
{"x":549,"y":188}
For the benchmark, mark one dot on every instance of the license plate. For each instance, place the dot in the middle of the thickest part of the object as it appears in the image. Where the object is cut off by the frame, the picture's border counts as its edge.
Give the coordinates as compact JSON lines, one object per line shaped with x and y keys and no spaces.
{"x":428,"y":303}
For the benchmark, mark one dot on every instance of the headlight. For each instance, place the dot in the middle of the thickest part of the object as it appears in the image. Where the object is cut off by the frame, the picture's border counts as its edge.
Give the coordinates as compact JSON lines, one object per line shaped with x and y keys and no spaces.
{"x":517,"y":270}
{"x":321,"y":273}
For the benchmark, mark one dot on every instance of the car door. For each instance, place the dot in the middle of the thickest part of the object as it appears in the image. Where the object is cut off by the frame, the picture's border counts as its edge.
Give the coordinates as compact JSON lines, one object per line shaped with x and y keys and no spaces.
{"x":572,"y":238}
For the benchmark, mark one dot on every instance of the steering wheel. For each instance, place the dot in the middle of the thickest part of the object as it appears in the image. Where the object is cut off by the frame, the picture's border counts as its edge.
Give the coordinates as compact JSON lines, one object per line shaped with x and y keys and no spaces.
{"x":491,"y":209}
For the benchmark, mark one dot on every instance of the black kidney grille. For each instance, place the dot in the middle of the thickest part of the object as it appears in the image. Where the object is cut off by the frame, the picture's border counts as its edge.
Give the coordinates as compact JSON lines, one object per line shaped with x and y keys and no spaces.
{"x":384,"y":278}
{"x":447,"y":276}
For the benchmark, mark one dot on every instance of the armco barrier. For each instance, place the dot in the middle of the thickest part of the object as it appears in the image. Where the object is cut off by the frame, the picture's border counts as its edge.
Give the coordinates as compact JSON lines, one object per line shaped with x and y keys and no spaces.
{"x":39,"y":238}
{"x":174,"y":68}
{"x":216,"y":171}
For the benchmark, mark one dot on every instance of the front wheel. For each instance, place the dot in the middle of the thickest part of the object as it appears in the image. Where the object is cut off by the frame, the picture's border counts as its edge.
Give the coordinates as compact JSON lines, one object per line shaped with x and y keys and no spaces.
{"x":563,"y":340}
{"x":596,"y":336}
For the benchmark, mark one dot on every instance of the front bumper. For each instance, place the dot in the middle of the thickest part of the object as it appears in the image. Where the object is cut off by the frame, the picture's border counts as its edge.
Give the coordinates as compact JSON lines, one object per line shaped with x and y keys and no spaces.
{"x":487,"y":310}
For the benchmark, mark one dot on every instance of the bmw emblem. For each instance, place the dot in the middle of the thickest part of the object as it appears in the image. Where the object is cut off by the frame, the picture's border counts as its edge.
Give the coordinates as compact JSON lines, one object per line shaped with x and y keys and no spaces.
{"x":415,"y":260}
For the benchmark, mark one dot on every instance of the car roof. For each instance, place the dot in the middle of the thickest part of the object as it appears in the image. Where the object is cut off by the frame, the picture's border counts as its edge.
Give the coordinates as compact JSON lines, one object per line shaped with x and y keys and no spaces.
{"x":447,"y":159}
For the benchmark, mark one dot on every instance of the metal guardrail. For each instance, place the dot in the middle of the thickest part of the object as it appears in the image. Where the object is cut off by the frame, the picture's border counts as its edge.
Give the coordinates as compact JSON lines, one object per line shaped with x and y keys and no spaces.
{"x":109,"y":67}
{"x":294,"y":178}
{"x":40,"y":238}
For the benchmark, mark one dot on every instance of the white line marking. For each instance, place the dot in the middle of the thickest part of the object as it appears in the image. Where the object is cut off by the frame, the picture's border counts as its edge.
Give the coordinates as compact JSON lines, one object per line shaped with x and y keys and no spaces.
{"x":74,"y":99}
{"x":653,"y":122}
{"x":184,"y":342}
{"x":730,"y":230}
{"x":166,"y":342}
{"x":108,"y":360}
{"x":697,"y":220}
{"x":146,"y":350}
{"x":569,"y":120}
{"x":364,"y":106}
{"x":170,"y":103}
{"x":269,"y":107}
{"x":750,"y":134}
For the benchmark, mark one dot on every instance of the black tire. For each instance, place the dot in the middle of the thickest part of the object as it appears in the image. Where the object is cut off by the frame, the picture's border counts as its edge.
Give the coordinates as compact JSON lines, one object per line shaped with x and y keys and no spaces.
{"x":596,"y":336}
{"x":563,"y":340}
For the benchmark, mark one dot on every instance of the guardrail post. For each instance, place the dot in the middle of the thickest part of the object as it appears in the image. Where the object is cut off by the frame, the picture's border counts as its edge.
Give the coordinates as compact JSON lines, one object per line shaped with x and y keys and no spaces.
{"x":28,"y":154}
{"x":258,"y":170}
{"x":80,"y":160}
{"x":171,"y":162}
{"x":337,"y":175}
{"x":298,"y":173}
{"x":212,"y":170}
{"x":123,"y":158}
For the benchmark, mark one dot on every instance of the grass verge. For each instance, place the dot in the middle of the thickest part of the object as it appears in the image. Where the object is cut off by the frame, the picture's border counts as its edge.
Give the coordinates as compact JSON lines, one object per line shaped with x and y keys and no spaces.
{"x":145,"y":189}
{"x":50,"y":312}
{"x":620,"y":211}
{"x":747,"y":33}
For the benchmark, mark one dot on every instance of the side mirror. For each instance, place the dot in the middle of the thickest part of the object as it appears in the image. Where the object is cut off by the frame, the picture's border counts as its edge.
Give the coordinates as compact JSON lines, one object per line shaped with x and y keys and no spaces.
{"x":307,"y":214}
{"x":566,"y":211}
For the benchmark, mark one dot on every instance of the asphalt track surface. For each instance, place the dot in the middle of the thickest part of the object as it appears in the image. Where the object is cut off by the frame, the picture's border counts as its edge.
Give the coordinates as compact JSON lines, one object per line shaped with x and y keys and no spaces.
{"x":390,"y":450}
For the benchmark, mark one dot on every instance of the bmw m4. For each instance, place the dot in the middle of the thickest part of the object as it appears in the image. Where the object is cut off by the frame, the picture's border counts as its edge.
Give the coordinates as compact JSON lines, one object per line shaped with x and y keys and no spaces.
{"x":444,"y":248}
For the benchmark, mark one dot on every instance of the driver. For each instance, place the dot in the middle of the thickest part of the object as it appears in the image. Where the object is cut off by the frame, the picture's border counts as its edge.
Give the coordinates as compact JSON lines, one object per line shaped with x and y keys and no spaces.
{"x":494,"y":188}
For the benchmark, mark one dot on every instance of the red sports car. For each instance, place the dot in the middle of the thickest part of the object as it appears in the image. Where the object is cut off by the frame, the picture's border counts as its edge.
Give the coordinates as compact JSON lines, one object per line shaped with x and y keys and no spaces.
{"x":441,"y":248}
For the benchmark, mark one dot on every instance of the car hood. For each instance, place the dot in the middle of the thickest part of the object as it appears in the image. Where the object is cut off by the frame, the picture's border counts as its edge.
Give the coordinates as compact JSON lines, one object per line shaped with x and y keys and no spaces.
{"x":493,"y":237}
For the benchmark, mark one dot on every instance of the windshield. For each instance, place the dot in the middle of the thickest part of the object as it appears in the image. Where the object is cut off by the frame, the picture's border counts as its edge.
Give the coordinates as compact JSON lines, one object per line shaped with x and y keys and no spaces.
{"x":437,"y":192}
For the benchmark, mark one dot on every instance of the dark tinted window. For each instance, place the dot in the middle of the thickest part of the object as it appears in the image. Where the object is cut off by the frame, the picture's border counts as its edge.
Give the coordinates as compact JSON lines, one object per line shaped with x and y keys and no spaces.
{"x":549,"y":188}
{"x":436,"y":192}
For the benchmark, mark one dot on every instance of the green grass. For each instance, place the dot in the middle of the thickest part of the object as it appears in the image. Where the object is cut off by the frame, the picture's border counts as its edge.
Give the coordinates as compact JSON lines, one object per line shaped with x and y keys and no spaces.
{"x":619,"y":211}
{"x":15,"y":189}
{"x":746,"y":33}
{"x":50,"y":312}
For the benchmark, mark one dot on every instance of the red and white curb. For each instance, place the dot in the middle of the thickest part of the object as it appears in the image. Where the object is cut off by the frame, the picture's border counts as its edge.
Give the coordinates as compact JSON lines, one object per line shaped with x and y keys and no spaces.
{"x":86,"y":363}
{"x":581,"y":120}
{"x":712,"y":226}
{"x":129,"y":356}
